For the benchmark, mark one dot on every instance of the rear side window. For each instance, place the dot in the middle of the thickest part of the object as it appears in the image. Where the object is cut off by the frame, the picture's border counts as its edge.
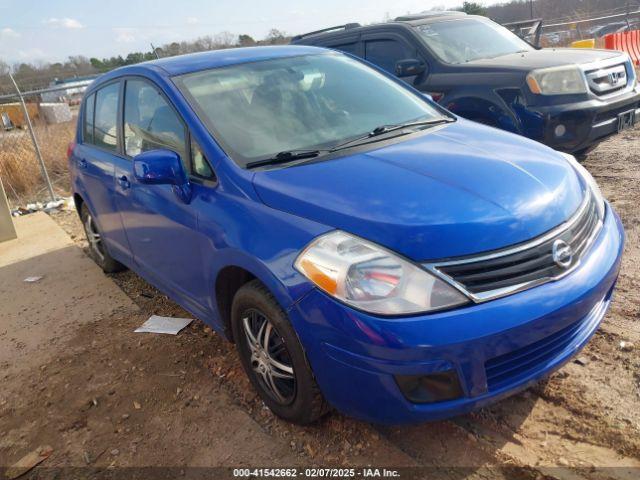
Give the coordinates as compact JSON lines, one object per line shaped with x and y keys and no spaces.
{"x":88,"y":118}
{"x":105,"y":132}
{"x":351,"y":48}
{"x":150,"y":122}
{"x":385,"y":53}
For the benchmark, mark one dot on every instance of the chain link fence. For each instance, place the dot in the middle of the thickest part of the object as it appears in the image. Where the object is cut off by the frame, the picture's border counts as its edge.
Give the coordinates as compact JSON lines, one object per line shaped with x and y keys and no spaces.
{"x":590,"y":25}
{"x":36,"y":127}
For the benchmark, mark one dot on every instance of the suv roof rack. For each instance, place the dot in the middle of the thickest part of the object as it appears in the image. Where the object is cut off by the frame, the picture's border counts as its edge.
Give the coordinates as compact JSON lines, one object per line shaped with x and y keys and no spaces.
{"x":346,"y":26}
{"x":429,"y":14}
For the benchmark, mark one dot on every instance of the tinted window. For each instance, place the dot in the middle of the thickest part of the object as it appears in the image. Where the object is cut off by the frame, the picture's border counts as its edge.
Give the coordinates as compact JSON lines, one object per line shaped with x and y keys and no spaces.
{"x":150,"y":122}
{"x":106,"y":115}
{"x":351,"y":48}
{"x":385,"y":53}
{"x":88,"y":118}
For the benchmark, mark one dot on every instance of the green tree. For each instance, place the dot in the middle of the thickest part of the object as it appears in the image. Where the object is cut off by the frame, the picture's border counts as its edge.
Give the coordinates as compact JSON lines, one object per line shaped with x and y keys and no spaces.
{"x":473,"y":8}
{"x":246,"y":40}
{"x":275,"y":37}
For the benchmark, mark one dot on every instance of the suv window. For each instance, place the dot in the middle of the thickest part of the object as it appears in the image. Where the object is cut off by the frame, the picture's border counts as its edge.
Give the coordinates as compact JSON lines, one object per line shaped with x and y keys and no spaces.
{"x":89,"y":107}
{"x":351,"y":48}
{"x":106,"y":117}
{"x":385,"y":53}
{"x":150,"y":122}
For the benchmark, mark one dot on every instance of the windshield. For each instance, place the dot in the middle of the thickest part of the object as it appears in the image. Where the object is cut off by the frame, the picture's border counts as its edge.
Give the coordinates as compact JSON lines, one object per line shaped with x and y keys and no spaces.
{"x":464,"y":40}
{"x":257,"y":110}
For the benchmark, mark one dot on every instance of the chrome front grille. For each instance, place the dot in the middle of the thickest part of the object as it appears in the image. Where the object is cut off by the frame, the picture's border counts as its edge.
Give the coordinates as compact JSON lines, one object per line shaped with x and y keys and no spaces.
{"x":548,"y":257}
{"x":604,"y":81}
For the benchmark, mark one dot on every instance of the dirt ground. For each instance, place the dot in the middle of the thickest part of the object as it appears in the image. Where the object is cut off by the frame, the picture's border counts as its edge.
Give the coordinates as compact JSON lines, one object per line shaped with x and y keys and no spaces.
{"x":117,"y":399}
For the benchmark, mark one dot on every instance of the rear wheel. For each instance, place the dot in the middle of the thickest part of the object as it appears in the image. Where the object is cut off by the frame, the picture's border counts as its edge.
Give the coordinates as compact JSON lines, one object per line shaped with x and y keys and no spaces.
{"x":272,"y":356}
{"x":97,"y":249}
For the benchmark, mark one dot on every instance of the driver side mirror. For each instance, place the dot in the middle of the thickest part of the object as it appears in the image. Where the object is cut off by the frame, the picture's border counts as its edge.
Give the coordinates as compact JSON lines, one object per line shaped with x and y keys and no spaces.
{"x":162,"y":167}
{"x":410,"y":67}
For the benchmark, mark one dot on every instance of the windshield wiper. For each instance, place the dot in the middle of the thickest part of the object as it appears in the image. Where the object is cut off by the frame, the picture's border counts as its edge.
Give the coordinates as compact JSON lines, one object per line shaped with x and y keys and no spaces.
{"x":382,"y":129}
{"x":291,"y":155}
{"x":284,"y":157}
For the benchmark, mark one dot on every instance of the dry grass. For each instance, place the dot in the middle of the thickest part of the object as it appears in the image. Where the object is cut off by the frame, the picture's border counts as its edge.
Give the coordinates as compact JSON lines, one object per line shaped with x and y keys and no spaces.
{"x":19,"y":167}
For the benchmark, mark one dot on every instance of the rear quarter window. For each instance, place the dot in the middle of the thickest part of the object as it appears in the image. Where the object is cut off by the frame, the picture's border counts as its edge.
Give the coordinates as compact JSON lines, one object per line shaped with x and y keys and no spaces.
{"x":351,"y":48}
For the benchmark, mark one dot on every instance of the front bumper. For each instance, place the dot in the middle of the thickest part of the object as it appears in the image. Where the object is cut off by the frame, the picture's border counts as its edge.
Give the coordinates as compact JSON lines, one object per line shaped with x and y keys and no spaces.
{"x":355,"y":355}
{"x":586,"y":123}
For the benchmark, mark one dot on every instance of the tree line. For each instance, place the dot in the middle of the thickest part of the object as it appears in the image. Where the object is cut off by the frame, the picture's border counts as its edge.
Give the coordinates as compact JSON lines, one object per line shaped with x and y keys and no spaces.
{"x":549,"y":10}
{"x":31,"y":76}
{"x":38,"y":75}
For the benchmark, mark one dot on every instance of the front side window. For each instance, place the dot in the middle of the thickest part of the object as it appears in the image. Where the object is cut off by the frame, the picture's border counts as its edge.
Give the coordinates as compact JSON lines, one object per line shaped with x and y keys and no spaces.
{"x":150,"y":123}
{"x":464,"y":40}
{"x":105,"y":132}
{"x":199,"y":163}
{"x":89,"y":105}
{"x":385,"y":53}
{"x":256,"y":110}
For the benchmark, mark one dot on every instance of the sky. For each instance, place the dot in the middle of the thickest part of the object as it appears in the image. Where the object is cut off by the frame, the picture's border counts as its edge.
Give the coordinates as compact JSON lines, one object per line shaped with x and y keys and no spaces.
{"x":51,"y":30}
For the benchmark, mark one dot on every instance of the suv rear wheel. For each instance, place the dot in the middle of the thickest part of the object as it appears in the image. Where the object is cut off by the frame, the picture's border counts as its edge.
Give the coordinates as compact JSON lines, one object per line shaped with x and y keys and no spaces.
{"x":272,"y":356}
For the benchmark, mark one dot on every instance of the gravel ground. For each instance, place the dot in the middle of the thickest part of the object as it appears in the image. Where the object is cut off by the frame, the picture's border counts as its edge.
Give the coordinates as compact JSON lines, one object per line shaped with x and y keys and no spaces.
{"x":158,"y":398}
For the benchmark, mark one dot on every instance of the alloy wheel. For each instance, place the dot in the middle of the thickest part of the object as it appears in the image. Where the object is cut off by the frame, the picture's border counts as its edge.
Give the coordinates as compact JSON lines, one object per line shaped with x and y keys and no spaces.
{"x":94,"y":238}
{"x":270,"y":359}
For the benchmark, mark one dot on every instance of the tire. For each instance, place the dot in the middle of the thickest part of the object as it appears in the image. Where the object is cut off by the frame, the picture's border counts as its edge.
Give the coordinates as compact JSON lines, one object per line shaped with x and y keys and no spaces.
{"x":581,"y":155}
{"x":282,"y":377}
{"x":97,"y":249}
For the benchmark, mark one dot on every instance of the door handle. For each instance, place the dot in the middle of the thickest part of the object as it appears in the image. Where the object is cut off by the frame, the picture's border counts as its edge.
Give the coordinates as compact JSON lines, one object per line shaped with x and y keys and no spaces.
{"x":124,"y":182}
{"x":82,"y":163}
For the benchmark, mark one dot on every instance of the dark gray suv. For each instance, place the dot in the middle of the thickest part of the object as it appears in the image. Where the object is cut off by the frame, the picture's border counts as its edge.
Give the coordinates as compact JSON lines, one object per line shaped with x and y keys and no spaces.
{"x":569,"y":99}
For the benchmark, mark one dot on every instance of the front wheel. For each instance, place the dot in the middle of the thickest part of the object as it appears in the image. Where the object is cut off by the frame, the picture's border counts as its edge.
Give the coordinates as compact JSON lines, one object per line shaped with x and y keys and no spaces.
{"x":272,"y":356}
{"x":97,"y":249}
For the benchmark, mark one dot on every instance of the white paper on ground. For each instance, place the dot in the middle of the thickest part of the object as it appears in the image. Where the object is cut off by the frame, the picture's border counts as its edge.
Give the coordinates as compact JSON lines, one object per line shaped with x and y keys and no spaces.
{"x":32,"y":279}
{"x":157,"y":324}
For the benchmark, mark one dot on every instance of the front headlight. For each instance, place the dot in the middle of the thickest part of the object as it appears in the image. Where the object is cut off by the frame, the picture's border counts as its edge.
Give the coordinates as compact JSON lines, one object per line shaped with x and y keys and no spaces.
{"x":557,"y":81}
{"x":589,"y":180}
{"x":370,"y":278}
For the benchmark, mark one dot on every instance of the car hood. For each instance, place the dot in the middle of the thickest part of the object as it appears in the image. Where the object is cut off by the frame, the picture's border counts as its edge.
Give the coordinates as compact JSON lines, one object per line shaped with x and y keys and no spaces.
{"x":461,"y":189}
{"x":543,"y":58}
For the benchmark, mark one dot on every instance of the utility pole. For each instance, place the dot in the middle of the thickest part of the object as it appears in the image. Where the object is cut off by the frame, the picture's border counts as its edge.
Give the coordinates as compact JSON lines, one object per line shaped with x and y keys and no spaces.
{"x":531,"y":8}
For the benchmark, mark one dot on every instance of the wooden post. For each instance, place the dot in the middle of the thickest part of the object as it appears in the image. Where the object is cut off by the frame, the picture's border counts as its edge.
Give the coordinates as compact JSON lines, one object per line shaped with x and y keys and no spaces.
{"x":7,"y":230}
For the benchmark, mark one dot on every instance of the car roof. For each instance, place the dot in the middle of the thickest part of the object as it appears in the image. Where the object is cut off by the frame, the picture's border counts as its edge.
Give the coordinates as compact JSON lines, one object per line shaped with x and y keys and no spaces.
{"x":194,"y":62}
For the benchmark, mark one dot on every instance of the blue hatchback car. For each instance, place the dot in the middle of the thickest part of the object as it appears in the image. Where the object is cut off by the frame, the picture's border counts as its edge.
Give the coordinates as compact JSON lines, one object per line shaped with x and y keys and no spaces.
{"x":364,"y":248}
